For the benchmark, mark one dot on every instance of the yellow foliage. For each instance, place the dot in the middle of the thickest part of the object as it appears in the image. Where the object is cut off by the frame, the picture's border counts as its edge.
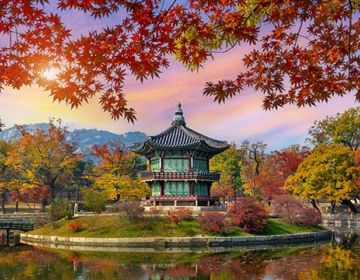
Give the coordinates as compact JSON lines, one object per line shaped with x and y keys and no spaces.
{"x":329,"y":172}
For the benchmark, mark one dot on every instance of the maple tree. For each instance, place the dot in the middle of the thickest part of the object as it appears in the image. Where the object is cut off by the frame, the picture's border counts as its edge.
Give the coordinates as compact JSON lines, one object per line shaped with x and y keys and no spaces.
{"x":112,"y":174}
{"x":330,"y":172}
{"x":213,"y":222}
{"x":278,"y":166}
{"x":302,"y":52}
{"x":222,"y":192}
{"x":248,"y":214}
{"x":43,"y":159}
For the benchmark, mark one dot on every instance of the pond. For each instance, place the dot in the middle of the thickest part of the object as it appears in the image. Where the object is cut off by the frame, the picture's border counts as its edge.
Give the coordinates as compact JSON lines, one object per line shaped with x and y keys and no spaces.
{"x":338,"y":259}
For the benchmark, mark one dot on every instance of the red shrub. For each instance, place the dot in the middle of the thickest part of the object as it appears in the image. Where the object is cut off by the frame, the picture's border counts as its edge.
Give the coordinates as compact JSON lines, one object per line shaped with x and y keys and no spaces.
{"x":248,"y":215}
{"x":178,"y":215}
{"x":285,"y":206}
{"x":76,"y":225}
{"x":213,"y":222}
{"x":308,"y":217}
{"x":293,"y":211}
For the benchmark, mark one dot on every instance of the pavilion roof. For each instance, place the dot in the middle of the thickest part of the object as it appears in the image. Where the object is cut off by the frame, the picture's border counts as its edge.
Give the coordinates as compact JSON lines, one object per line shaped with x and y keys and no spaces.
{"x":179,"y":136}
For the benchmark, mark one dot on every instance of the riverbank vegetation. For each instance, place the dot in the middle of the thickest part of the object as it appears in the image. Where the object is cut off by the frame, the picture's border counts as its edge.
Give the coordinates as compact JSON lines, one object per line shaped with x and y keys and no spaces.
{"x":115,"y":226}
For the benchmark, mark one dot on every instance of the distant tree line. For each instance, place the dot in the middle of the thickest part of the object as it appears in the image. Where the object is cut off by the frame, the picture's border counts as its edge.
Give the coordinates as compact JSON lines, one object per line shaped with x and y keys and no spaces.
{"x":41,"y":166}
{"x":327,"y":169}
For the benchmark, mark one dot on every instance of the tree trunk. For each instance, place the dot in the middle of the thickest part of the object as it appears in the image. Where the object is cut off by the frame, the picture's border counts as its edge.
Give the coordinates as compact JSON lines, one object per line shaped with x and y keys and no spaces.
{"x":77,"y":193}
{"x":333,"y":204}
{"x":313,"y":203}
{"x":16,"y":206}
{"x":3,"y":198}
{"x":52,"y":192}
{"x":43,"y":204}
{"x":350,"y":204}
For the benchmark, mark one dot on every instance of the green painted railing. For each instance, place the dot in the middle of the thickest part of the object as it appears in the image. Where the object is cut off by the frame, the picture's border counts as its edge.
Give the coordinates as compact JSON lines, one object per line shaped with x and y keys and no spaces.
{"x":192,"y":175}
{"x":17,"y":224}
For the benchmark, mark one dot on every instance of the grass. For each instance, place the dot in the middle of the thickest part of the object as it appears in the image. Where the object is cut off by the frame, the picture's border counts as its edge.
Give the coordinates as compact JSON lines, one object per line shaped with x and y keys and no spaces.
{"x":279,"y":226}
{"x":114,"y":226}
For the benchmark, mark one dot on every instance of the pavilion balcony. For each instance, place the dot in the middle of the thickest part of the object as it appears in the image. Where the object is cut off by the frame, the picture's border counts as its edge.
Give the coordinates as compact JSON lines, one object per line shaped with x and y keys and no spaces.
{"x":176,"y":176}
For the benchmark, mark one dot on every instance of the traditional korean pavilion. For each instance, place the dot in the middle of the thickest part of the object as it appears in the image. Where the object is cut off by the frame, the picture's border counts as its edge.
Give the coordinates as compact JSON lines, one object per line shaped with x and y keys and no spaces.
{"x":178,"y":170}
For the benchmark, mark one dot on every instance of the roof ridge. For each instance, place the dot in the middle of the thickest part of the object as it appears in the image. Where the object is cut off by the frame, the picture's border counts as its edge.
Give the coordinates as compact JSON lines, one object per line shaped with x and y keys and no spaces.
{"x":163,"y":132}
{"x":199,"y":135}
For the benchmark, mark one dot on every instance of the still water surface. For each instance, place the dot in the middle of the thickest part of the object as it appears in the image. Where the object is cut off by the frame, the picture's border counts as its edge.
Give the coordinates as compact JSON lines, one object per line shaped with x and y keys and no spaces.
{"x":339,"y":259}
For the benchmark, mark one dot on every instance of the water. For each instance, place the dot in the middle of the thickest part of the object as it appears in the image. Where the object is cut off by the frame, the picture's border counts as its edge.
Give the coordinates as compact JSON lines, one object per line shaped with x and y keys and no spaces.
{"x":338,"y":259}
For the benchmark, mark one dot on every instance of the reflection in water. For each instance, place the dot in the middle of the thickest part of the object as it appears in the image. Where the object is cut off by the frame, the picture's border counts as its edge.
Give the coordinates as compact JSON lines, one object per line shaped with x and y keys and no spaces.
{"x":331,"y":261}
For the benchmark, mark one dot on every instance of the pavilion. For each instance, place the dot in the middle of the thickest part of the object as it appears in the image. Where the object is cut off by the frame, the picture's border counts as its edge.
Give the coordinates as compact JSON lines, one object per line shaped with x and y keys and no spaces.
{"x":178,"y":165}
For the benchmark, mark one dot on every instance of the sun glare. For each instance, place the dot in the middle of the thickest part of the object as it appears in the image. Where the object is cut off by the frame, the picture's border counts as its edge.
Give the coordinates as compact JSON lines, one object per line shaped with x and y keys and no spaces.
{"x":50,"y":73}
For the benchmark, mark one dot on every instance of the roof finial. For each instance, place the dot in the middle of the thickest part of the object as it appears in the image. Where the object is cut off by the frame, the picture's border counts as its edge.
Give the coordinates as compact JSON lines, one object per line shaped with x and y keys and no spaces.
{"x":178,"y":117}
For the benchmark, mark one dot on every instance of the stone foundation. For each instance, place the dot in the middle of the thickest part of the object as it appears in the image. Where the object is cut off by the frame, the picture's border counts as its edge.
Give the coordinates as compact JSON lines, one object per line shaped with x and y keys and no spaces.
{"x":159,"y":243}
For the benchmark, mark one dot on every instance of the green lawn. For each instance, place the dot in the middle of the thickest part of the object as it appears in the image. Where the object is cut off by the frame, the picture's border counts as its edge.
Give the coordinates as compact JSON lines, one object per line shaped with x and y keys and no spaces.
{"x":115,"y":226}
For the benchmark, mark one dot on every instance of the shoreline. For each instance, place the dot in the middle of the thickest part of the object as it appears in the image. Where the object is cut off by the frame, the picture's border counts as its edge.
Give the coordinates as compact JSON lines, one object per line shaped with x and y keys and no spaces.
{"x":171,"y":243}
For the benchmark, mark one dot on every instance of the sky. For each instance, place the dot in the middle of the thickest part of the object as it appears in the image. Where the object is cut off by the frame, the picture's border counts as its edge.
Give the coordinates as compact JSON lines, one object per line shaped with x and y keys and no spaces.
{"x":240,"y":118}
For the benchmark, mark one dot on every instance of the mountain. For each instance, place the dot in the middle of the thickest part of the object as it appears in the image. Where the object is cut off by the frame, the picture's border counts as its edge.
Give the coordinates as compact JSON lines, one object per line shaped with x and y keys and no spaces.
{"x":84,"y":138}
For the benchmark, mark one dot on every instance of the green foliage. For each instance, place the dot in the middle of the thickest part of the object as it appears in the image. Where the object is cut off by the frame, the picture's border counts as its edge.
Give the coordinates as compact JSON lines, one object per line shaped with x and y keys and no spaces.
{"x":94,"y":200}
{"x":229,"y":163}
{"x":342,"y":129}
{"x":59,"y":209}
{"x":329,"y":172}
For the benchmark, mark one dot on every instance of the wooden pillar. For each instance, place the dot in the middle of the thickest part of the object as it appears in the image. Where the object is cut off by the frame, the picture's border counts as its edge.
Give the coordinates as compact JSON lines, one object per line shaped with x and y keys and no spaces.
{"x":162,"y":188}
{"x":7,"y":237}
{"x":161,"y":164}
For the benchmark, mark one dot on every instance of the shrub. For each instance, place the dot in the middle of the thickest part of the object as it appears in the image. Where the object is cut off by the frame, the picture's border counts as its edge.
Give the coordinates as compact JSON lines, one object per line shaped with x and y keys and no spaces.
{"x":76,"y":225}
{"x":248,"y":215}
{"x":285,"y":206}
{"x":178,"y":215}
{"x":213,"y":222}
{"x":308,"y":217}
{"x":133,"y":209}
{"x":59,"y":209}
{"x":295,"y":212}
{"x":94,"y":200}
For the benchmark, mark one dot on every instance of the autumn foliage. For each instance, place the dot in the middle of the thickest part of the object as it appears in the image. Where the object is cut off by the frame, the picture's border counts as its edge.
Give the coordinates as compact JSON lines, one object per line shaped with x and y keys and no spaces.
{"x":178,"y":215}
{"x":76,"y":225}
{"x":329,"y":172}
{"x":213,"y":222}
{"x":294,"y":211}
{"x":248,"y":215}
{"x":223,"y":192}
{"x":308,"y":54}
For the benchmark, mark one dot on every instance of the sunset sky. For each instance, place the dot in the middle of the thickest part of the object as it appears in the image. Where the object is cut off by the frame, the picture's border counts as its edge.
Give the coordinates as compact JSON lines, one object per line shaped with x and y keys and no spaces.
{"x":155,"y":101}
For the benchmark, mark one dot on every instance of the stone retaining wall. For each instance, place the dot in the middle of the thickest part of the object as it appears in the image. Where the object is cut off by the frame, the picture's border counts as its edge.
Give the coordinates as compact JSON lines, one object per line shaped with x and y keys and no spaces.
{"x":341,"y":220}
{"x":175,"y":242}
